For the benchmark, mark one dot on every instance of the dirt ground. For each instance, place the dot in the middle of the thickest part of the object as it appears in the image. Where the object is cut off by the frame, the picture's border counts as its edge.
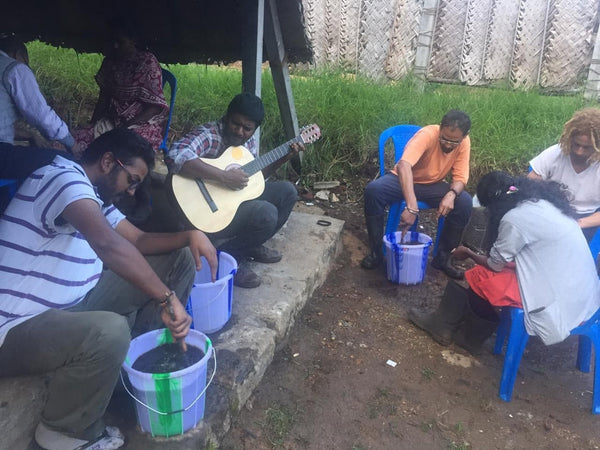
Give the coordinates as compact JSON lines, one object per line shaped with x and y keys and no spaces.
{"x":330,"y":386}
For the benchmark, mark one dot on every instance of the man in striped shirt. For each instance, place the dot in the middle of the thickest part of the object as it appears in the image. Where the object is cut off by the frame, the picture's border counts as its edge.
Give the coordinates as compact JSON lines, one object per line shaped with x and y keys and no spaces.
{"x":73,"y":281}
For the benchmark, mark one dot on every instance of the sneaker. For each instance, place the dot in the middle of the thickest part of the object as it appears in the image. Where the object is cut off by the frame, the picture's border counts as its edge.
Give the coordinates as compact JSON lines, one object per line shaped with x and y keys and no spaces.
{"x":246,"y":278}
{"x":47,"y":439}
{"x":263,"y":254}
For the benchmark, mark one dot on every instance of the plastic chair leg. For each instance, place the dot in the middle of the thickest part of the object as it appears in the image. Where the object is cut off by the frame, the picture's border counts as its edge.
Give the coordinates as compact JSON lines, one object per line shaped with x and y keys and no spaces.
{"x":517,"y":340}
{"x":584,"y":353}
{"x":589,"y":334}
{"x":502,"y":330}
{"x":596,"y":395}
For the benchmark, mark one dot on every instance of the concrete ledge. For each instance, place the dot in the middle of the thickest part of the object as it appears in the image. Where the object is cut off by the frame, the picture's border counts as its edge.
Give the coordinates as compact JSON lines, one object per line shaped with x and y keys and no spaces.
{"x":21,"y":403}
{"x":245,"y":347}
{"x":259,"y":324}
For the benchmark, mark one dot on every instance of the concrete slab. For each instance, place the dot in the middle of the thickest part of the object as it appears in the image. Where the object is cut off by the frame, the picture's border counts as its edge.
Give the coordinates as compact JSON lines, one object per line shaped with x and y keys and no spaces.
{"x":245,"y":347}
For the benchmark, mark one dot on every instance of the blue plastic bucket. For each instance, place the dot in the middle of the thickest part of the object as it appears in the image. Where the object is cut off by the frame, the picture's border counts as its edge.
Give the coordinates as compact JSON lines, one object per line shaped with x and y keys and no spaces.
{"x":210,"y":303}
{"x":169,"y":404}
{"x":406,"y":264}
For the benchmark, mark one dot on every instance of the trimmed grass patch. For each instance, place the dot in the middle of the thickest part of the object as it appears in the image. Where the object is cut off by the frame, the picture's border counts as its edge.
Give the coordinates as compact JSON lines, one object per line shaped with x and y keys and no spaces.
{"x":509,"y":126}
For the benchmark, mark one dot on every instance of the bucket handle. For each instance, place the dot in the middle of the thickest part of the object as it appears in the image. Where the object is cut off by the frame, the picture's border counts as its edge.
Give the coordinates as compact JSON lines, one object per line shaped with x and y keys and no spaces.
{"x":180,"y":410}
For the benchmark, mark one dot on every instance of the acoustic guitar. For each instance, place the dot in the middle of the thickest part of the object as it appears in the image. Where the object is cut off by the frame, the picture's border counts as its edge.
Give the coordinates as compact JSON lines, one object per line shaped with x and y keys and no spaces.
{"x":210,"y":206}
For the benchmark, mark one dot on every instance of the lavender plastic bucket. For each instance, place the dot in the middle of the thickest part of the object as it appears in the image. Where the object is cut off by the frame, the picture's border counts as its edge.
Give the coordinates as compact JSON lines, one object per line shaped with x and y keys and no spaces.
{"x":406,"y":264}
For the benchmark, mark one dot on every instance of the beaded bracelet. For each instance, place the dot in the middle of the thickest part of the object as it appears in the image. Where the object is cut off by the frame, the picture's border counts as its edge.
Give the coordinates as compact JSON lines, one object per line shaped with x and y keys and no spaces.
{"x":456,"y":194}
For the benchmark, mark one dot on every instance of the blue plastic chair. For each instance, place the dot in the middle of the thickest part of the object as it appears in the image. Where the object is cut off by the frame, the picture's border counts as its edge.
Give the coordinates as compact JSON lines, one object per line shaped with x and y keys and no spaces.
{"x":595,"y":244}
{"x":11,"y":185}
{"x":512,"y":323}
{"x":168,"y":77}
{"x":400,"y":135}
{"x":9,"y":189}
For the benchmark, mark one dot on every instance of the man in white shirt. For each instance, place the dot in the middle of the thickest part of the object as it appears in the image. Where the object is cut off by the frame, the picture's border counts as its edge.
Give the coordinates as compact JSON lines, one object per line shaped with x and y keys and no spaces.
{"x":575,"y":162}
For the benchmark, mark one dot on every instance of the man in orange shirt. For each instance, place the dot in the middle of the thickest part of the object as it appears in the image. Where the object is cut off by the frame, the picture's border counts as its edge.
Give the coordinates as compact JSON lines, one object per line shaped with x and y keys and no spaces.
{"x":419,"y":175}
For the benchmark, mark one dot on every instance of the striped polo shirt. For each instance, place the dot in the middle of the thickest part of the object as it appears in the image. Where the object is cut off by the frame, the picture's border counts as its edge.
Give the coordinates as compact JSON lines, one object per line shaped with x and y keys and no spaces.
{"x":44,"y":261}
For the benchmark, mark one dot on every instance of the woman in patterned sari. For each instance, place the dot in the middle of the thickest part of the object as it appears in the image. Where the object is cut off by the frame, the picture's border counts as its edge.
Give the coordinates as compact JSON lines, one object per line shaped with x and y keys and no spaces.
{"x":131,"y":94}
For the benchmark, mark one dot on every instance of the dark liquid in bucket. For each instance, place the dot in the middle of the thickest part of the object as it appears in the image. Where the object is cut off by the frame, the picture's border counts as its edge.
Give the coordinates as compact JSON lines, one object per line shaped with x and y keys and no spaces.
{"x":167,"y":358}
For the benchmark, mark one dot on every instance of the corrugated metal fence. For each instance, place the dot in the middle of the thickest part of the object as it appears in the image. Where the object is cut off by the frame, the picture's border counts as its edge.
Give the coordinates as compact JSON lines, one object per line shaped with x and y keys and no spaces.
{"x":548,"y":43}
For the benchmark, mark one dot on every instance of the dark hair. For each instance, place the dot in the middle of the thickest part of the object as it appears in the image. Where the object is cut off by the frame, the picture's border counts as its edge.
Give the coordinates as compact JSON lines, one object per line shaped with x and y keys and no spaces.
{"x":11,"y":44}
{"x":500,"y":192}
{"x":456,"y":118}
{"x":123,"y":24}
{"x":123,"y":143}
{"x":248,"y":105}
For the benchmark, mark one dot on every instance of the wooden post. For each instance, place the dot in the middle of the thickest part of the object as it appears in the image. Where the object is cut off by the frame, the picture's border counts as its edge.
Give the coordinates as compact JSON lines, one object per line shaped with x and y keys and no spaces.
{"x":252,"y":50}
{"x":279,"y":70}
{"x":281,"y":77}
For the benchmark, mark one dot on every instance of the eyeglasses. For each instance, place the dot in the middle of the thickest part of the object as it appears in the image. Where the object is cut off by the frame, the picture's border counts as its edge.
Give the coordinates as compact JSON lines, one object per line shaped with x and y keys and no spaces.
{"x":133,"y":183}
{"x":450,"y":143}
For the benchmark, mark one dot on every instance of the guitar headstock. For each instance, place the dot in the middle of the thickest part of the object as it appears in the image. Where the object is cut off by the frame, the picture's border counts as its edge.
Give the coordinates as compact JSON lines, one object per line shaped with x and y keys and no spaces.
{"x":310,"y":133}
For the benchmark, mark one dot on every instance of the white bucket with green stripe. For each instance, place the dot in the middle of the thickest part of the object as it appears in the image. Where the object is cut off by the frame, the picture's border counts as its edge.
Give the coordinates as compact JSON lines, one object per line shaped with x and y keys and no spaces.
{"x":169,"y":404}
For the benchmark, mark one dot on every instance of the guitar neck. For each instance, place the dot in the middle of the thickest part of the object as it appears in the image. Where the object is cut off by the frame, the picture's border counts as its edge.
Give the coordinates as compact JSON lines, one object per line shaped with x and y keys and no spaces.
{"x":258,"y":164}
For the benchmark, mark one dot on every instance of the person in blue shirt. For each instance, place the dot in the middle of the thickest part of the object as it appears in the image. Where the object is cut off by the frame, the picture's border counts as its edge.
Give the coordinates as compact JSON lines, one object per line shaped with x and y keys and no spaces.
{"x":20,"y":97}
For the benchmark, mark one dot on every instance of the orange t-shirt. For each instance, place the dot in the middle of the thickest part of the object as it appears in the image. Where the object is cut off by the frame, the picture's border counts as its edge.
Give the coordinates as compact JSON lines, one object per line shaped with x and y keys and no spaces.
{"x":429,"y":163}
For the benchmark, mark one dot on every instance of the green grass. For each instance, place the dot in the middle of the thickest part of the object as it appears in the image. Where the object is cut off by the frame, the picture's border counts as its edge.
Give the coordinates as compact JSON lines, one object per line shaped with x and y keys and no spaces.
{"x":509,"y":127}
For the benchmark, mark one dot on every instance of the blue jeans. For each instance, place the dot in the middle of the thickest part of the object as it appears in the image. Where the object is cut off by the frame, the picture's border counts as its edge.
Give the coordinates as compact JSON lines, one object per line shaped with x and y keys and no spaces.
{"x":386,"y":190}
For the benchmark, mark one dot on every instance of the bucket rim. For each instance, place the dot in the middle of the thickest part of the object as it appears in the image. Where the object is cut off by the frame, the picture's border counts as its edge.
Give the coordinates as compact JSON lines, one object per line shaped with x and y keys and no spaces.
{"x":389,"y":243}
{"x":178,"y":373}
{"x":224,"y":279}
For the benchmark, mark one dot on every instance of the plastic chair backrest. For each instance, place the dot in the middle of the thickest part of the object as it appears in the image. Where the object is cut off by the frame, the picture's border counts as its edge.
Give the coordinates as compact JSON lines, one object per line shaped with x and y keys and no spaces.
{"x":168,"y":77}
{"x":400,"y":135}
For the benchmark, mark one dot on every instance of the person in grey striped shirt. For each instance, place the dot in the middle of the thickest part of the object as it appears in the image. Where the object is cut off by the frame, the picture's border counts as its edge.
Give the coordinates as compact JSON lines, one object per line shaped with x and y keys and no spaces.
{"x":77,"y":280}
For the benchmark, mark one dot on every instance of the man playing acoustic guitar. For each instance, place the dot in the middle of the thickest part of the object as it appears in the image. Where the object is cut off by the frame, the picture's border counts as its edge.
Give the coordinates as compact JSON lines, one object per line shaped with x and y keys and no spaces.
{"x":257,"y":220}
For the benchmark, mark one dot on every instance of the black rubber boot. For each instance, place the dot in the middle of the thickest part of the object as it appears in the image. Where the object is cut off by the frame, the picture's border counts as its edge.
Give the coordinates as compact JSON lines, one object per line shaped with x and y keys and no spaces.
{"x":449,"y":240}
{"x":375,"y":230}
{"x":442,"y":323}
{"x":480,"y":323}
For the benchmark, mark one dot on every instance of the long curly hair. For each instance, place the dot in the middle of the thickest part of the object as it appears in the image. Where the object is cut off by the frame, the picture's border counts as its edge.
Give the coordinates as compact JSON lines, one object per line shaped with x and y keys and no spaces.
{"x":500,"y":192}
{"x":584,"y":122}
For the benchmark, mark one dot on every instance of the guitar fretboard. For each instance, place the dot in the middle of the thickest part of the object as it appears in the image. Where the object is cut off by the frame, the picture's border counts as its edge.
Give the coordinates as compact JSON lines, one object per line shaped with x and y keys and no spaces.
{"x":269,"y":158}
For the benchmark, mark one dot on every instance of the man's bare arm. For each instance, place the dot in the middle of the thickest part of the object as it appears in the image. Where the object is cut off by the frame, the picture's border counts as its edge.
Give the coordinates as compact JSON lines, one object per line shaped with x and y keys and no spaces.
{"x":157,"y":243}
{"x":405,"y":178}
{"x":125,"y":260}
{"x":114,"y":250}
